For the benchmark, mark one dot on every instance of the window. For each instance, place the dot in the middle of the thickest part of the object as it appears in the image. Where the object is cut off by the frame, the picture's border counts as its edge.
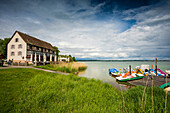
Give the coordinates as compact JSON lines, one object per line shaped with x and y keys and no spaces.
{"x":16,"y":40}
{"x":20,"y":46}
{"x":19,"y":53}
{"x":12,"y":46}
{"x":12,"y":54}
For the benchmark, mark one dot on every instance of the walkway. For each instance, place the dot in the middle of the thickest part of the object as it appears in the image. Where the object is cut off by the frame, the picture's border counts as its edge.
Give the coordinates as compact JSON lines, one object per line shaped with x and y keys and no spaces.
{"x":157,"y":81}
{"x":8,"y":67}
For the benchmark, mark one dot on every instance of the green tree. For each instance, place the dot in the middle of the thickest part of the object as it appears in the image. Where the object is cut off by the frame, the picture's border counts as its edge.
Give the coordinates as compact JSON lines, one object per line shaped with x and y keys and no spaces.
{"x":3,"y":46}
{"x":57,"y":51}
{"x":70,"y":56}
{"x":71,"y":59}
{"x":74,"y":59}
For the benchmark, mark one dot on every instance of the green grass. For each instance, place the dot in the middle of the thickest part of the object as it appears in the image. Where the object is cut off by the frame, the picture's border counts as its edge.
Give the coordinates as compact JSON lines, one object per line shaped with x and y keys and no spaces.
{"x":61,"y":69}
{"x":82,"y":68}
{"x":67,"y":69}
{"x":29,"y":90}
{"x":11,"y":82}
{"x":133,"y":99}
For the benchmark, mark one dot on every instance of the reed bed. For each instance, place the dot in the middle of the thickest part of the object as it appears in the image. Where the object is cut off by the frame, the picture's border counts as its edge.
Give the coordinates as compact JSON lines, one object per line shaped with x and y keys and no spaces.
{"x":73,"y":67}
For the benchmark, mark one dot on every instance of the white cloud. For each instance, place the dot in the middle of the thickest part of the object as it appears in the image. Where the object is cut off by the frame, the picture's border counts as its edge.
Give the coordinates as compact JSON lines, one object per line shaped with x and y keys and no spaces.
{"x":76,"y":32}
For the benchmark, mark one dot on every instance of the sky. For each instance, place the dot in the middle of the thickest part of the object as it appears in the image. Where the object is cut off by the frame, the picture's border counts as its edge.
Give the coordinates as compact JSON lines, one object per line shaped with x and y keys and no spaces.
{"x":93,"y":29}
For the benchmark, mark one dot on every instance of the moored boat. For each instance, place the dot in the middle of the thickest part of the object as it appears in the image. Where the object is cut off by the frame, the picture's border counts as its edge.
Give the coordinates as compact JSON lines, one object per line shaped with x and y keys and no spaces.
{"x":114,"y":72}
{"x":126,"y":77}
{"x":165,"y":85}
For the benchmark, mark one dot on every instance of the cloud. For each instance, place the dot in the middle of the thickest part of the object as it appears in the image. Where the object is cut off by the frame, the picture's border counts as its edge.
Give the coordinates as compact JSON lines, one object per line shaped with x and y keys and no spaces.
{"x":76,"y":28}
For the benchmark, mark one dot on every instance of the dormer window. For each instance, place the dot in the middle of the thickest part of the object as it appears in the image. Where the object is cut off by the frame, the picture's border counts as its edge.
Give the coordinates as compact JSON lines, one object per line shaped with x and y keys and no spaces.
{"x":19,"y":46}
{"x":12,"y":46}
{"x":16,"y":40}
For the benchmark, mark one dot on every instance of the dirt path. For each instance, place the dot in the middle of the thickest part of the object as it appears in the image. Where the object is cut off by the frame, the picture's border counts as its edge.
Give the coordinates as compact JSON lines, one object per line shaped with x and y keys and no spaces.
{"x":34,"y":68}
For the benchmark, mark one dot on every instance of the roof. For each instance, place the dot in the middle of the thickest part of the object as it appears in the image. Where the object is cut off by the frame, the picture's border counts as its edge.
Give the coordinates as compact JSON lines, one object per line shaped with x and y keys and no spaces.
{"x":34,"y":41}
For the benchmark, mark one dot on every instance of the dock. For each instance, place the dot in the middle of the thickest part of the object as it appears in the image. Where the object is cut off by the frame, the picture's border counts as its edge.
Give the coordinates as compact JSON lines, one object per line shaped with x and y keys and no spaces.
{"x":157,"y":81}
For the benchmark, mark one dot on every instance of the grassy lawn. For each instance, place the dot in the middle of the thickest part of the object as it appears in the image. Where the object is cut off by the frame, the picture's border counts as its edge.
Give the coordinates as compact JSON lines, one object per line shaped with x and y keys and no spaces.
{"x":29,"y":90}
{"x":72,"y":67}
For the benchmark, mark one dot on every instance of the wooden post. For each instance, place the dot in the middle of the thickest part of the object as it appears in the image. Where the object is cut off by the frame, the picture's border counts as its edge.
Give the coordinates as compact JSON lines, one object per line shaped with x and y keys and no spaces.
{"x":130,"y":69}
{"x":156,"y":66}
{"x":152,"y":66}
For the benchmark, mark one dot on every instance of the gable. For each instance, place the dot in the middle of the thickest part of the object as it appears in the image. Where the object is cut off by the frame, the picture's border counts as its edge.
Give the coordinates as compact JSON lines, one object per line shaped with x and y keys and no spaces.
{"x":13,"y":39}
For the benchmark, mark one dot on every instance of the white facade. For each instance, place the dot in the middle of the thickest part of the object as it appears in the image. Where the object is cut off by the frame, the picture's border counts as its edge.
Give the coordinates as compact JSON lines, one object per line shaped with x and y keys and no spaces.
{"x":67,"y":59}
{"x":24,"y":48}
{"x":17,"y":50}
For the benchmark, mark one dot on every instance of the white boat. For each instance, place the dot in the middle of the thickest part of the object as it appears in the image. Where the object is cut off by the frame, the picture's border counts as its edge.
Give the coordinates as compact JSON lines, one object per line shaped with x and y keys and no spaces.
{"x":133,"y":76}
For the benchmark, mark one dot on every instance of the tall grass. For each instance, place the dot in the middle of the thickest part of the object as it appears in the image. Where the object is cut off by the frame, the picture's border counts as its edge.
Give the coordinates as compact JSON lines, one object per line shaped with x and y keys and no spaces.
{"x":66,"y":67}
{"x":29,"y":90}
{"x":133,"y":99}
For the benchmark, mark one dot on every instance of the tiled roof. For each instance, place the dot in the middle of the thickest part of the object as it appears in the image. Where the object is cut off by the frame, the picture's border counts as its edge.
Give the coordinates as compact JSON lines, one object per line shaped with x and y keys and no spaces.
{"x":34,"y":41}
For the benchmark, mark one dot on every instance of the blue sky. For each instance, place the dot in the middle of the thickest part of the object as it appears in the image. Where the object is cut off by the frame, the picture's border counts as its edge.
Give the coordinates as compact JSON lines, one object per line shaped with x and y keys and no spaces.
{"x":93,"y":29}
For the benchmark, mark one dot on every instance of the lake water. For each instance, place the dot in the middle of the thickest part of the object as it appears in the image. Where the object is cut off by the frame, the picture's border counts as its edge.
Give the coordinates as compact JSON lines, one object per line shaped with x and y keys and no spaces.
{"x":99,"y":69}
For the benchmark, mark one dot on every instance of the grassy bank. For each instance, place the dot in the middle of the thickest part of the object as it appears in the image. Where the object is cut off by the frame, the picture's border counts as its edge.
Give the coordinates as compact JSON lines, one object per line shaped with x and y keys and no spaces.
{"x":29,"y":90}
{"x":72,"y":67}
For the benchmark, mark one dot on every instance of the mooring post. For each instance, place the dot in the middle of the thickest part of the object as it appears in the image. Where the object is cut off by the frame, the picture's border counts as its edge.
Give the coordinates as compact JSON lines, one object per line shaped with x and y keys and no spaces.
{"x":130,"y":69}
{"x":156,"y":66}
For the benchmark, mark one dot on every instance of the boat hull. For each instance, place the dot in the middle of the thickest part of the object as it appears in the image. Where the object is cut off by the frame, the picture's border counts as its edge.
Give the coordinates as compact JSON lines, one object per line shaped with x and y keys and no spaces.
{"x":130,"y":79}
{"x":134,"y":76}
{"x":114,"y":74}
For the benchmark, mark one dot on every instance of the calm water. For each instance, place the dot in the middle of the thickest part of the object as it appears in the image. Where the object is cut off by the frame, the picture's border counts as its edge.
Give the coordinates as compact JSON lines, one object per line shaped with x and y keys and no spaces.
{"x":99,"y":69}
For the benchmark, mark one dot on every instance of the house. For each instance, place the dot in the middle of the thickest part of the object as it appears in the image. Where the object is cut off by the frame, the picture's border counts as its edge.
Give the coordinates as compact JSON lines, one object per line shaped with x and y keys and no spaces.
{"x":24,"y":48}
{"x":67,"y":59}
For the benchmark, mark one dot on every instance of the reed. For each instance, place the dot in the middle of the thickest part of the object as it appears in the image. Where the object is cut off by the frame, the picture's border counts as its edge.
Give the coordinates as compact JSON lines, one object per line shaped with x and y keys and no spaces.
{"x":72,"y":67}
{"x":30,"y":90}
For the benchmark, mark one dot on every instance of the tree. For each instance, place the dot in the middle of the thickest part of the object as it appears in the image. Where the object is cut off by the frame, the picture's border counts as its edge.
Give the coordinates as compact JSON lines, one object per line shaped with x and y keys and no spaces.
{"x":74,"y":59}
{"x":3,"y":46}
{"x":57,"y":51}
{"x":71,"y":60}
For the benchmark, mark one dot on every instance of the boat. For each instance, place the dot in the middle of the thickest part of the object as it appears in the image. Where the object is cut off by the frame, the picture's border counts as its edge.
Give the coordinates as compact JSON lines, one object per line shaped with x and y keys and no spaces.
{"x":168,"y":73}
{"x":114,"y":72}
{"x":161,"y":72}
{"x":152,"y":71}
{"x":127,"y":77}
{"x":139,"y":71}
{"x":165,"y":85}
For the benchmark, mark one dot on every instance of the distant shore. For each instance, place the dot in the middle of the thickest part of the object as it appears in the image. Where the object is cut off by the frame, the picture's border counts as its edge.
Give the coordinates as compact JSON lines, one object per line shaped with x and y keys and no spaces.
{"x":122,"y":60}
